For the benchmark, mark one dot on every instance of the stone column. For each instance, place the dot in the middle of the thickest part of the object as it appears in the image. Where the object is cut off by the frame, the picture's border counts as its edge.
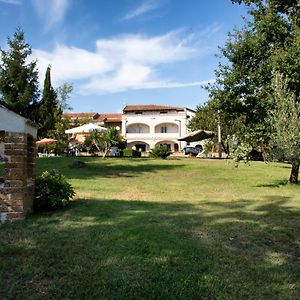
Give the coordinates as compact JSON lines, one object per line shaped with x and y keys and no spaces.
{"x":16,"y":197}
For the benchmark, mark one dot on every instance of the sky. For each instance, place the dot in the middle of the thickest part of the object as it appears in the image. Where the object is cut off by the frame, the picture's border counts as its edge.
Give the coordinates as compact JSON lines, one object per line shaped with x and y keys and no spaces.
{"x":125,"y":52}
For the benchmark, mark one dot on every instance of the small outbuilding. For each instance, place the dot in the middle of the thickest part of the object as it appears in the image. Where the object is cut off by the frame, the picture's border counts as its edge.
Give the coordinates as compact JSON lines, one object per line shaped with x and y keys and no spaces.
{"x":18,"y":152}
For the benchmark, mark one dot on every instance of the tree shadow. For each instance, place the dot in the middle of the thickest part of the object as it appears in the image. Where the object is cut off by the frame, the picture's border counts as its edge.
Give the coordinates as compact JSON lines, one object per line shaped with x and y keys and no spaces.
{"x":108,"y":168}
{"x":115,"y":249}
{"x":275,"y":184}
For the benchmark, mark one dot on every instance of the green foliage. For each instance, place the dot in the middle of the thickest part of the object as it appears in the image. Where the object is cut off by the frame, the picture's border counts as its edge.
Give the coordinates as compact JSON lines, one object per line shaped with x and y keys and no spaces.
{"x":207,"y":146}
{"x":110,"y":138}
{"x":52,"y":191}
{"x":18,"y":78}
{"x":160,"y":152}
{"x":285,"y":123}
{"x":49,"y":112}
{"x":285,"y":119}
{"x":241,"y":153}
{"x":243,"y":88}
{"x":131,"y":153}
{"x":92,"y":143}
{"x":205,"y":118}
{"x":63,"y":94}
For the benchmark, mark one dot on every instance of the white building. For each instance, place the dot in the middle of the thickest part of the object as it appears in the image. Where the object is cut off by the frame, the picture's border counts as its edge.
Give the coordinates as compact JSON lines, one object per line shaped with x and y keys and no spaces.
{"x":147,"y":126}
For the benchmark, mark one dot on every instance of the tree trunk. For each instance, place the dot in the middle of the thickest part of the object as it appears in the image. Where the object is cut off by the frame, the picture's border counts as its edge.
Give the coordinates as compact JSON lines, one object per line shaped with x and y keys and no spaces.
{"x":294,"y":171}
{"x":106,"y":149}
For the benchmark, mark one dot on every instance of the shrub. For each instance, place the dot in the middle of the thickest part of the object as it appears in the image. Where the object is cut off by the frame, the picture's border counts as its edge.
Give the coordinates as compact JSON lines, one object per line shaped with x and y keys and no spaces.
{"x":52,"y":191}
{"x":242,"y":153}
{"x":131,"y":153}
{"x":161,"y":152}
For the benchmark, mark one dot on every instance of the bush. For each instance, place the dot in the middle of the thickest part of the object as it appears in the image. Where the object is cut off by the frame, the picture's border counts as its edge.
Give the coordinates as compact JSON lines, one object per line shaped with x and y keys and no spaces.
{"x":242,"y":153}
{"x":52,"y":191}
{"x":131,"y":153}
{"x":161,"y":152}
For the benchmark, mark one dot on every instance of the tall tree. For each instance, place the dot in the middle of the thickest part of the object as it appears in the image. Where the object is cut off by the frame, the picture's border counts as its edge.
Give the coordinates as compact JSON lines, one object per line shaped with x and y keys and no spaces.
{"x":63,"y":93}
{"x":285,"y":123}
{"x":19,"y":79}
{"x":49,"y":108}
{"x":268,"y":42}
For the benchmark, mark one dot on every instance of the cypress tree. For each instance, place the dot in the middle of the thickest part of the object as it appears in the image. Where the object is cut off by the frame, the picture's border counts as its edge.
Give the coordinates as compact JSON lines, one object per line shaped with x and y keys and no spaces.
{"x":49,"y":109}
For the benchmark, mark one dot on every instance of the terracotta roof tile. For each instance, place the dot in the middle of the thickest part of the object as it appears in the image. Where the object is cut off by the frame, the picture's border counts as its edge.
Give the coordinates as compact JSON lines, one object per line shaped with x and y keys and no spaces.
{"x":79,"y":115}
{"x":110,"y":117}
{"x":130,"y":108}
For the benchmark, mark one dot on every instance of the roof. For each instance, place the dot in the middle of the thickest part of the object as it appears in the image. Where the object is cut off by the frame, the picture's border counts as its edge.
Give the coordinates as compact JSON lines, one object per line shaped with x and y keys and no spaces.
{"x":131,"y":108}
{"x":13,"y":122}
{"x":109,"y":117}
{"x":198,"y":135}
{"x":80,"y":115}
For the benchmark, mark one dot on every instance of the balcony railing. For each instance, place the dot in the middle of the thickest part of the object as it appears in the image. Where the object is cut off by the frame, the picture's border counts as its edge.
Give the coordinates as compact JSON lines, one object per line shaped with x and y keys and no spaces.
{"x":145,"y":136}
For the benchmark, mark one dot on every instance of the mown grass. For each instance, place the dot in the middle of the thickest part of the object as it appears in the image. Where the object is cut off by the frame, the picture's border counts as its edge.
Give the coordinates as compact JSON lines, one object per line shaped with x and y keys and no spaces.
{"x":159,"y":229}
{"x":1,"y":168}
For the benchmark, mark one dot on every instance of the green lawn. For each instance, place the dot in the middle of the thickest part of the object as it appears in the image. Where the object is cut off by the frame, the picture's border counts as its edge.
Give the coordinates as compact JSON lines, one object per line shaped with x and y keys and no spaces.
{"x":159,"y":229}
{"x":1,"y":168}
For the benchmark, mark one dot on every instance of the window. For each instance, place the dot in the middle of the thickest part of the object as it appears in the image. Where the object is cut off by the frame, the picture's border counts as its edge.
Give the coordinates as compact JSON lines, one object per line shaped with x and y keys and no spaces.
{"x":163,"y":112}
{"x":163,"y":129}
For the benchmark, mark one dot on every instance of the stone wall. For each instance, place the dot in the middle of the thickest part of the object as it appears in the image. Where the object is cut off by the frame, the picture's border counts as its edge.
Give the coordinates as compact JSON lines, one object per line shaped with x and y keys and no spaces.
{"x":17,"y":191}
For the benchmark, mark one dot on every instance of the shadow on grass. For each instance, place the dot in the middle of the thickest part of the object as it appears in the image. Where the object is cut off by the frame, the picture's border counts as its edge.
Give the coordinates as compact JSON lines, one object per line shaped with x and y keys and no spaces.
{"x":107,"y":168}
{"x":275,"y":184}
{"x":152,"y":250}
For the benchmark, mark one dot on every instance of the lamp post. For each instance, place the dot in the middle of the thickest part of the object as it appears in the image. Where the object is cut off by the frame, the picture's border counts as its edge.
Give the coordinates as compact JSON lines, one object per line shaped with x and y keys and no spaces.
{"x":179,"y":133}
{"x":125,"y":132}
{"x":219,"y":136}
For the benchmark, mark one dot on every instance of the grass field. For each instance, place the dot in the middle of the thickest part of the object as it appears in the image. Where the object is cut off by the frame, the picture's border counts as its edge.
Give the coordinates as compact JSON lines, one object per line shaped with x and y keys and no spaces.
{"x":1,"y":168}
{"x":159,"y":229}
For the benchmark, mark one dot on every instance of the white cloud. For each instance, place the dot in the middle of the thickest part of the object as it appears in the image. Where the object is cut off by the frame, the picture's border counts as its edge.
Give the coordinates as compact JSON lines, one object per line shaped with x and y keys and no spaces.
{"x":165,"y":48}
{"x":127,"y":62}
{"x":70,"y":63}
{"x":52,"y":11}
{"x":143,"y":8}
{"x":13,"y":2}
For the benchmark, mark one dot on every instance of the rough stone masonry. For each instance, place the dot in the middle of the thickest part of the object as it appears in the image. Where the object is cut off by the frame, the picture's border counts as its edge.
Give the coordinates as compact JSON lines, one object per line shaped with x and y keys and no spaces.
{"x":17,"y":185}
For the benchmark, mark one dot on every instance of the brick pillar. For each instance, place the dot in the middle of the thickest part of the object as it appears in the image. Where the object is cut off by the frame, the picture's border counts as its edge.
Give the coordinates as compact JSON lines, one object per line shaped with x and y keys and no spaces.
{"x":16,"y":197}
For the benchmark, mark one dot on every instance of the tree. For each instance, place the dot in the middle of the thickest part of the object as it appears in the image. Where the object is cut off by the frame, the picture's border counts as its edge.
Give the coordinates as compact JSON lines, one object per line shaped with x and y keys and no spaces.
{"x":206,"y":117}
{"x":267,"y":43}
{"x":50,"y":112}
{"x":63,"y":93}
{"x":110,"y":138}
{"x":285,"y":122}
{"x":19,"y":79}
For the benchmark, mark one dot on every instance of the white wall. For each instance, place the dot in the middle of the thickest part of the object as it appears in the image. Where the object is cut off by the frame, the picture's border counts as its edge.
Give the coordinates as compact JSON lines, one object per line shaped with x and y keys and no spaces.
{"x":175,"y":121}
{"x":12,"y":122}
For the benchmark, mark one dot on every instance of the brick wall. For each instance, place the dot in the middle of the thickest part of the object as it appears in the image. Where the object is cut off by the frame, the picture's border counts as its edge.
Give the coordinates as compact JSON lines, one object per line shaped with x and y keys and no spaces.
{"x":17,"y":191}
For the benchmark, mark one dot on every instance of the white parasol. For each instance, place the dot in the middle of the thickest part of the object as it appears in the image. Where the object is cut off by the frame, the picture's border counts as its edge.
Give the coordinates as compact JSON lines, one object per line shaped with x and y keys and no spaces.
{"x":86,"y":128}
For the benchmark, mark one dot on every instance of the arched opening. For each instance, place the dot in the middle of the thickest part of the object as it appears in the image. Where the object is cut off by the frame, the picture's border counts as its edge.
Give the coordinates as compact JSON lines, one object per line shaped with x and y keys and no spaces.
{"x":138,"y":128}
{"x":167,"y":128}
{"x":139,"y":145}
{"x":176,"y":148}
{"x":171,"y":144}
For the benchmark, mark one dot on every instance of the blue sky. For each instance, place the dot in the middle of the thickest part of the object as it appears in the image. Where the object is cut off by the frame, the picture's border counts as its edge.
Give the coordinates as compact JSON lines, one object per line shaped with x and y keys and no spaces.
{"x":118,"y":52}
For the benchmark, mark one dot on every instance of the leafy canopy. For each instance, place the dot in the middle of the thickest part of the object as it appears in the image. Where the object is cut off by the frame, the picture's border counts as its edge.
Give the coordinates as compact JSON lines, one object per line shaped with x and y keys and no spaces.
{"x":19,"y":79}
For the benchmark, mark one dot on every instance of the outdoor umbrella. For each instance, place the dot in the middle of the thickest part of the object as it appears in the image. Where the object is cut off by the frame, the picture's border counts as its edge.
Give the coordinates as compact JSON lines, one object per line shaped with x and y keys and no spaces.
{"x":46,"y":141}
{"x":86,"y":128}
{"x":198,"y":135}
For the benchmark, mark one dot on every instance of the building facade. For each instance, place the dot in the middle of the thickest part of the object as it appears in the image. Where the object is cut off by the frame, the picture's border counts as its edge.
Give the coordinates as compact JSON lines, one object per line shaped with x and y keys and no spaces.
{"x":148,"y":126}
